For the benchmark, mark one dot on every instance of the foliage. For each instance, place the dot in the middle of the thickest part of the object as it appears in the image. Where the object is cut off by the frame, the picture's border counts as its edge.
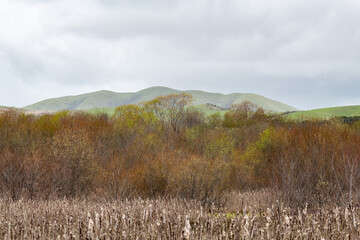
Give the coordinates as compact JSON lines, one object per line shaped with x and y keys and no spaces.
{"x":167,"y":148}
{"x":170,"y":109}
{"x":307,"y":162}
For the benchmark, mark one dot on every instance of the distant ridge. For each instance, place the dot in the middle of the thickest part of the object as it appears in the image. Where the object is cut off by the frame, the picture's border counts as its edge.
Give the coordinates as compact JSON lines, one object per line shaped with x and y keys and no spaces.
{"x":109,"y":99}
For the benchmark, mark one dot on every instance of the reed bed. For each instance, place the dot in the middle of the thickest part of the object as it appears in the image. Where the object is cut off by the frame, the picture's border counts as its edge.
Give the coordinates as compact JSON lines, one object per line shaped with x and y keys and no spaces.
{"x":171,"y":219}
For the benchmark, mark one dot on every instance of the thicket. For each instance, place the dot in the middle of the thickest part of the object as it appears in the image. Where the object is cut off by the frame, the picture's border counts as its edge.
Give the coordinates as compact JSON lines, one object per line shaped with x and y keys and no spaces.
{"x":164,"y":147}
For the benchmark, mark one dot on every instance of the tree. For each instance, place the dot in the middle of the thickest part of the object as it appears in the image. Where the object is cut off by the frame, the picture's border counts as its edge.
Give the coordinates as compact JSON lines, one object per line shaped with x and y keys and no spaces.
{"x":72,"y":162}
{"x":170,"y":109}
{"x":240,"y":114}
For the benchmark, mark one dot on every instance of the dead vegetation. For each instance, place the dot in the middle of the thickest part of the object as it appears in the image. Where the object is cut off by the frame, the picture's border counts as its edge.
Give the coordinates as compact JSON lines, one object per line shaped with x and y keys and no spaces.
{"x":174,"y":219}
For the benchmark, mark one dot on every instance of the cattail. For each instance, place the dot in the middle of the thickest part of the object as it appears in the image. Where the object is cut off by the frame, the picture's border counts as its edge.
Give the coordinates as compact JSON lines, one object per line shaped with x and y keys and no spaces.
{"x":171,"y":219}
{"x":90,"y":225}
{"x":187,"y":227}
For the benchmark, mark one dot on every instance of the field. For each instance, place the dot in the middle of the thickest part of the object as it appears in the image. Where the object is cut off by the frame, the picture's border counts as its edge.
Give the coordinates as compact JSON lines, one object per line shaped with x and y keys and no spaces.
{"x":174,"y":219}
{"x":327,"y":113}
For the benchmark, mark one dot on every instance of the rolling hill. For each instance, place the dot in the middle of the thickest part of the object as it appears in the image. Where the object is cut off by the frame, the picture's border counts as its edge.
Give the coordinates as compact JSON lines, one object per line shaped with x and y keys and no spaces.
{"x":109,"y":99}
{"x":346,"y":111}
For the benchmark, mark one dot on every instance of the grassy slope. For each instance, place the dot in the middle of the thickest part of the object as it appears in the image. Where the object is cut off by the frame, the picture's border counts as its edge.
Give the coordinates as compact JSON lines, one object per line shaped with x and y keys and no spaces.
{"x":99,"y":99}
{"x":207,"y":110}
{"x":5,"y":107}
{"x":108,"y":99}
{"x":109,"y":111}
{"x":348,"y":111}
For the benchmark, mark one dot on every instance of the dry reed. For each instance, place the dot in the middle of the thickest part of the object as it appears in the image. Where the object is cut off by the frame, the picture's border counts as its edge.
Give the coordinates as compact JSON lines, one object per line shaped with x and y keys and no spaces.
{"x":172,"y":219}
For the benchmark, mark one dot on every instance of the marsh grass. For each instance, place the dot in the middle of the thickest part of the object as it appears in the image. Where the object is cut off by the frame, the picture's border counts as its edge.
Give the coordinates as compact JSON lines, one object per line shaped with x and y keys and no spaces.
{"x":174,"y":219}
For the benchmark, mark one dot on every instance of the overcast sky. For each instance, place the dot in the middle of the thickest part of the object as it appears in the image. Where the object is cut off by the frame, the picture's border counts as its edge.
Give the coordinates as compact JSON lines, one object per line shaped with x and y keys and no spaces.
{"x":305,"y":53}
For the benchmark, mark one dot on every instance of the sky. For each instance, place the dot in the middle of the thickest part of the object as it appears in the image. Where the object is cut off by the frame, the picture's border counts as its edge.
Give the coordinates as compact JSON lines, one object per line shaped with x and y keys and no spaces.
{"x":305,"y":53}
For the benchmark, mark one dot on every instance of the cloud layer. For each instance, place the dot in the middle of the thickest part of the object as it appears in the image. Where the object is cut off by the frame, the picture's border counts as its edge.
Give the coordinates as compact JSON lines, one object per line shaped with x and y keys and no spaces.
{"x":304,"y":53}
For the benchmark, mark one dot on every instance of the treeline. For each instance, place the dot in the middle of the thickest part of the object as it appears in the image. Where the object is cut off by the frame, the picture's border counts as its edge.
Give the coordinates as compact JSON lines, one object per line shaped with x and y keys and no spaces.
{"x":163,"y":147}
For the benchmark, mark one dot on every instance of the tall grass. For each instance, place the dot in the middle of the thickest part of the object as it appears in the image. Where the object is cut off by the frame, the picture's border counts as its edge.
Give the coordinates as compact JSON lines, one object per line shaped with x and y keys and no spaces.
{"x":172,"y":219}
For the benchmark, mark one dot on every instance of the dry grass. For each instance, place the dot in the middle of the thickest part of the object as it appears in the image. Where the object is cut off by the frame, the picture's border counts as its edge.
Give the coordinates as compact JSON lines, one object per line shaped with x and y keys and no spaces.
{"x":173,"y":219}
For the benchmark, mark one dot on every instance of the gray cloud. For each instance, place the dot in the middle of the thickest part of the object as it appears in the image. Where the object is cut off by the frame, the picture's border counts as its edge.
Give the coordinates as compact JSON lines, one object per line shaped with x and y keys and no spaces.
{"x":304,"y":53}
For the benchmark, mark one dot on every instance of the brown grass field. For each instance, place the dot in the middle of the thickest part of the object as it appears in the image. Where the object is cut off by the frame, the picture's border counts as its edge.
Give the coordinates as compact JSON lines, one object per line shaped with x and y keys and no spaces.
{"x":249,"y":216}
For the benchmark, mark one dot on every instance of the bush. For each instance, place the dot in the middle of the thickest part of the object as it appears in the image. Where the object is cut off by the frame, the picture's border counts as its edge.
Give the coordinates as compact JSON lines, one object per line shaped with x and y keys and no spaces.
{"x":201,"y":179}
{"x":309,"y":163}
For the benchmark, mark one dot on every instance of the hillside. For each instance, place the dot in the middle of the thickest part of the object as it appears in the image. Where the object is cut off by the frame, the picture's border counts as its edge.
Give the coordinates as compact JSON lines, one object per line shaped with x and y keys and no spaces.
{"x":207,"y":109}
{"x":5,"y":108}
{"x":108,"y":99}
{"x":347,"y":111}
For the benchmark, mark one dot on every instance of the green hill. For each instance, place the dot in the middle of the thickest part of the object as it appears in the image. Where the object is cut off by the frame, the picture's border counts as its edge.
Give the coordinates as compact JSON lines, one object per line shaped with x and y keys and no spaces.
{"x":347,"y":111}
{"x":108,"y":111}
{"x":207,"y":109}
{"x":4,"y":107}
{"x":108,"y":99}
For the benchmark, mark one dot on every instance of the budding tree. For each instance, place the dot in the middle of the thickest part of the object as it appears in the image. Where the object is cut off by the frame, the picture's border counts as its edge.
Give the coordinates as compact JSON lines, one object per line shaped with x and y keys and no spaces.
{"x":170,"y":109}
